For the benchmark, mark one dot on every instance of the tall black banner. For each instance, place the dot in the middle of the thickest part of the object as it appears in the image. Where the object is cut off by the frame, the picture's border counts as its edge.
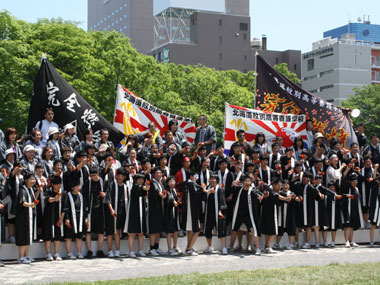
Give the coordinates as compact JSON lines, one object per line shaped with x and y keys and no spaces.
{"x":275,"y":93}
{"x":52,"y":90}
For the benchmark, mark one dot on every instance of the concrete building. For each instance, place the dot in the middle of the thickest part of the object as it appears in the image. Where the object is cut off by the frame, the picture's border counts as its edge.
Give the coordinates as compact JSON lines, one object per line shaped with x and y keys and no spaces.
{"x":335,"y":66}
{"x":213,"y":33}
{"x":134,"y":18}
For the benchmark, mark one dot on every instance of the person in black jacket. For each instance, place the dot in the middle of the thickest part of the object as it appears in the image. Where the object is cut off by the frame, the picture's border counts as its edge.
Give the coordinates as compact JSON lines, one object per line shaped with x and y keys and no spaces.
{"x":214,"y":217}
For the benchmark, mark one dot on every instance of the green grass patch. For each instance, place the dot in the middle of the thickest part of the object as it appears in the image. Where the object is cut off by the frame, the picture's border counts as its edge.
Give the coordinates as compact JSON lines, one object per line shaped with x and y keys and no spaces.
{"x":365,"y":273}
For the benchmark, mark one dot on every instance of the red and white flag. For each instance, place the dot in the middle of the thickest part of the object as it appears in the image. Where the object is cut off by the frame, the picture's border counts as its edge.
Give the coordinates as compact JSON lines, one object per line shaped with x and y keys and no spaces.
{"x":253,"y":121}
{"x":133,"y":114}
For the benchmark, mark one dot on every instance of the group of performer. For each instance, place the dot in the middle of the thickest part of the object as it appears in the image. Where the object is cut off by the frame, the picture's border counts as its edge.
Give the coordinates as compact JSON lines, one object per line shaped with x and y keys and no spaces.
{"x":57,"y":188}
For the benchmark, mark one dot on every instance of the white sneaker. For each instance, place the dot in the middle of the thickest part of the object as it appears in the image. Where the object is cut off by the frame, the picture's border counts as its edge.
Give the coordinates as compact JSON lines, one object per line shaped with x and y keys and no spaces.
{"x":224,"y":251}
{"x":290,"y":247}
{"x":258,"y":251}
{"x":276,"y":246}
{"x":49,"y":257}
{"x":171,"y":252}
{"x":209,"y":249}
{"x":332,"y":244}
{"x":29,"y":258}
{"x":132,"y":254}
{"x":371,"y":244}
{"x":249,"y":248}
{"x":178,"y":250}
{"x":348,"y":244}
{"x":71,"y":256}
{"x":80,"y":256}
{"x":191,"y":253}
{"x":57,"y":257}
{"x":110,"y":254}
{"x":354,"y":244}
{"x":117,"y":253}
{"x":160,"y":252}
{"x":306,"y":246}
{"x":141,"y":253}
{"x":153,"y":252}
{"x":316,"y":245}
{"x":325,"y":244}
{"x":269,"y":250}
{"x":23,"y":260}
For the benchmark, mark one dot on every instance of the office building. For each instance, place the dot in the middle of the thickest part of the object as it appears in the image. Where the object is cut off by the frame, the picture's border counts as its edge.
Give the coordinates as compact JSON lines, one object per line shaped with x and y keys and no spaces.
{"x":134,"y":18}
{"x":343,"y":61}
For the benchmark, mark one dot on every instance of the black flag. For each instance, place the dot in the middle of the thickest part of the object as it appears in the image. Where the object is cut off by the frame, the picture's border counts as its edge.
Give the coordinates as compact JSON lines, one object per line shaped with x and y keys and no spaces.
{"x":275,"y":93}
{"x":52,"y":90}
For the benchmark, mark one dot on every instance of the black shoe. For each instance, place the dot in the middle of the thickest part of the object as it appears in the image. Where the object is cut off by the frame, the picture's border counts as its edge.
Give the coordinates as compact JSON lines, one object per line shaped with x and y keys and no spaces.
{"x":100,"y":253}
{"x":89,"y":254}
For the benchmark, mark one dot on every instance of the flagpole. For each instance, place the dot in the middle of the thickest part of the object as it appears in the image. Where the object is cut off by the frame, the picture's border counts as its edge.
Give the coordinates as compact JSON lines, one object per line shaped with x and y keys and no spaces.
{"x":254,"y":104}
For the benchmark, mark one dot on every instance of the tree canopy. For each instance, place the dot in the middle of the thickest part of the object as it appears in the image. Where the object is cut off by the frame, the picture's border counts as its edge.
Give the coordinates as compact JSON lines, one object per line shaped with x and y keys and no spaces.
{"x":367,"y":100}
{"x":95,"y":62}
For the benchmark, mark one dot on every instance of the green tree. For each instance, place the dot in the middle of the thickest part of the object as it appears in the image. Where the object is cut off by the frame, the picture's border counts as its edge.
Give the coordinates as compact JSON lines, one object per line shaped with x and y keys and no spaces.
{"x":367,"y":100}
{"x":284,"y":70}
{"x":95,"y":62}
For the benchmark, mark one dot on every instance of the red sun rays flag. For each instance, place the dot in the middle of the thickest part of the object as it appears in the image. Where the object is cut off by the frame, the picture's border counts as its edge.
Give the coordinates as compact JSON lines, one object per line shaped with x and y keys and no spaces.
{"x":133,"y":114}
{"x":252,"y":121}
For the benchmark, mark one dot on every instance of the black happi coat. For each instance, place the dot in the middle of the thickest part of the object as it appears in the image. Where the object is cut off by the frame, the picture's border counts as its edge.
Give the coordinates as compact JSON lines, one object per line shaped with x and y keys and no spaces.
{"x":52,"y":213}
{"x":136,"y":216}
{"x":171,"y":216}
{"x":374,"y":209}
{"x":25,"y":226}
{"x":306,"y":217}
{"x":252,"y":209}
{"x":269,"y":214}
{"x":334,"y":213}
{"x":192,"y":193}
{"x":155,"y":208}
{"x":351,"y":208}
{"x":212,"y":219}
{"x":118,"y":204}
{"x":287,"y":215}
{"x":80,"y":229}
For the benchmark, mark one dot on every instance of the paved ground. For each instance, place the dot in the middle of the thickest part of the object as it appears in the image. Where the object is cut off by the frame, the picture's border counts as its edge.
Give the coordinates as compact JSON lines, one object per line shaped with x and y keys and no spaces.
{"x":115,"y":269}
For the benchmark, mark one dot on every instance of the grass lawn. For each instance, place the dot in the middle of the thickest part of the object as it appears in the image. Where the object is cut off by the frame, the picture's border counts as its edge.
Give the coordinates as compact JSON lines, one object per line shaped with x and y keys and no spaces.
{"x":365,"y":273}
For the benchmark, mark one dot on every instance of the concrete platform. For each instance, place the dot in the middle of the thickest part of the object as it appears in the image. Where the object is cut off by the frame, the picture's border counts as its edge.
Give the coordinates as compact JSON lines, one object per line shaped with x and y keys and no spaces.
{"x":37,"y":250}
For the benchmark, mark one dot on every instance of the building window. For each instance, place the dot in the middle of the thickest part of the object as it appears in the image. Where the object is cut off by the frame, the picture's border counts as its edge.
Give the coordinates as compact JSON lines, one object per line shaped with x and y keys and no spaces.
{"x":376,"y":76}
{"x":324,"y":73}
{"x":193,"y":22}
{"x":121,"y":29}
{"x":245,"y":71}
{"x":160,"y":56}
{"x":314,"y":91}
{"x":326,"y":87}
{"x":220,"y":22}
{"x":245,"y":36}
{"x":113,"y":13}
{"x":125,"y":5}
{"x":245,"y":57}
{"x":125,"y":16}
{"x":295,"y":67}
{"x":113,"y":24}
{"x":220,"y":39}
{"x":220,"y":56}
{"x":117,"y":21}
{"x":243,"y":27}
{"x":310,"y":64}
{"x":121,"y":8}
{"x":277,"y":60}
{"x":117,"y":10}
{"x":125,"y":27}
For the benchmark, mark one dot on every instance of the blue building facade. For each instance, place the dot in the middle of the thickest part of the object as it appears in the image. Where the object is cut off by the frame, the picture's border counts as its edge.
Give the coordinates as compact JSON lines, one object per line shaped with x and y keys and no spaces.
{"x":365,"y":32}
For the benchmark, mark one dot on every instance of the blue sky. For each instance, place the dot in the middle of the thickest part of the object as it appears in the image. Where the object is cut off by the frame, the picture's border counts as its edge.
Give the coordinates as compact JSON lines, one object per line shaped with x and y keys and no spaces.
{"x":292,"y":24}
